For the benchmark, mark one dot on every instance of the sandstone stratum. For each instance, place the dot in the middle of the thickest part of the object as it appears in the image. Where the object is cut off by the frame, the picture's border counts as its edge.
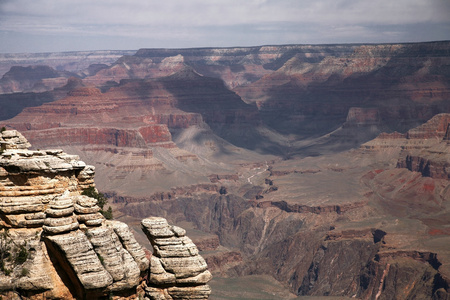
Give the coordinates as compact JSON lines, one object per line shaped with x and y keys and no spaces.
{"x":55,"y":244}
{"x":297,"y":170}
{"x":363,"y":223}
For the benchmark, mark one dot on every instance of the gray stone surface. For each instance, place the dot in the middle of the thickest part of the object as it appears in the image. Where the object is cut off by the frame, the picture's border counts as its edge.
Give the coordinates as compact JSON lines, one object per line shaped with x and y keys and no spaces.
{"x":158,"y":275}
{"x":156,"y":227}
{"x":72,"y":248}
{"x":177,"y":271}
{"x":83,"y":260}
{"x":130,"y":244}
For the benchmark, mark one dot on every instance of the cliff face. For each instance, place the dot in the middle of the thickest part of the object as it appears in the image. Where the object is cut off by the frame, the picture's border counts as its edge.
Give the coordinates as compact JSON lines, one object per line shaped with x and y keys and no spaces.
{"x":32,"y":79}
{"x":369,"y":223}
{"x":406,"y":84}
{"x":129,"y":128}
{"x":55,"y":244}
{"x":356,"y":224}
{"x":303,"y":91}
{"x":424,"y":149}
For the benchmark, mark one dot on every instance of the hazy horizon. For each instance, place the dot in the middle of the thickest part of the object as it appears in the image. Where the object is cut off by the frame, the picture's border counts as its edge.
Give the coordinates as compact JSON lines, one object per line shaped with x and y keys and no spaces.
{"x":60,"y":26}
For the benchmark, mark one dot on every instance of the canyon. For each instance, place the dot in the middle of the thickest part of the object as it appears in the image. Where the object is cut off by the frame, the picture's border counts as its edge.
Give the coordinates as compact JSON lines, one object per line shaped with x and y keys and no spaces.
{"x":321,"y":170}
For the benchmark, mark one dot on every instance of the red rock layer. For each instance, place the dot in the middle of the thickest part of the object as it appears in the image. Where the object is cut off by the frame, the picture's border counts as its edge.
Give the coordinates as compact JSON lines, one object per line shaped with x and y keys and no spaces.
{"x":141,"y":138}
{"x":408,"y":84}
{"x":132,"y":115}
{"x":437,"y":127}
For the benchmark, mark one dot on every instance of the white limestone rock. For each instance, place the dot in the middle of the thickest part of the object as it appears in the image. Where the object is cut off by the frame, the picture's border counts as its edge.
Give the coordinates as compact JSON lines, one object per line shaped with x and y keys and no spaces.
{"x":17,"y":205}
{"x":13,"y":139}
{"x":83,"y":260}
{"x":175,"y":247}
{"x":51,"y":230}
{"x":58,"y":213}
{"x":190,"y":293}
{"x":201,"y":278}
{"x":155,"y":227}
{"x":116,"y":260}
{"x":158,"y":275}
{"x":130,"y":244}
{"x":85,"y":201}
{"x":177,"y":271}
{"x":184,"y":267}
{"x":154,"y":293}
{"x":85,"y":210}
{"x":107,"y":247}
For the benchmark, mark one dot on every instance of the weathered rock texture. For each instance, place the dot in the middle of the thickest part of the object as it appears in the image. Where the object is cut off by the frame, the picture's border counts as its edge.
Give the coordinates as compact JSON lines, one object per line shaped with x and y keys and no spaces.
{"x":424,"y":149}
{"x":71,"y":250}
{"x":177,"y":270}
{"x":355,"y":224}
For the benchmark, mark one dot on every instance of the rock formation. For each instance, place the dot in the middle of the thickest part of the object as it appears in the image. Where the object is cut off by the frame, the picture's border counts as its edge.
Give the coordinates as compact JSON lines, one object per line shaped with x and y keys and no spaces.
{"x":299,"y":90}
{"x":404,"y":83}
{"x":177,"y":270}
{"x":370,"y":222}
{"x":56,"y":244}
{"x":354,"y":224}
{"x":423,"y":149}
{"x":32,"y":79}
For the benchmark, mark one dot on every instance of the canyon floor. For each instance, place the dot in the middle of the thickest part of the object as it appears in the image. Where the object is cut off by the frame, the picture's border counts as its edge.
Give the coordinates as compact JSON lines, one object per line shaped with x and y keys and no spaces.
{"x":299,"y":171}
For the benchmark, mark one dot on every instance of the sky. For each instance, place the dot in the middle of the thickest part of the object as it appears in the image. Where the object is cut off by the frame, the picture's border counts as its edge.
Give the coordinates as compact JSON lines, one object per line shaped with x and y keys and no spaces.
{"x":31,"y":26}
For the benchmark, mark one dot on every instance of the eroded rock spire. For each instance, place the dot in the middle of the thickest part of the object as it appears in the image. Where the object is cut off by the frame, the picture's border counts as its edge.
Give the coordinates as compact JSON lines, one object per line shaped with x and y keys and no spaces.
{"x":56,"y":244}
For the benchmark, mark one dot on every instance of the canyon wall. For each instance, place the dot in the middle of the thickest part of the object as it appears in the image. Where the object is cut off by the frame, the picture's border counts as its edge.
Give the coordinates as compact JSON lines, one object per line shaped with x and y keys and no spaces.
{"x":269,"y":151}
{"x":356,"y":224}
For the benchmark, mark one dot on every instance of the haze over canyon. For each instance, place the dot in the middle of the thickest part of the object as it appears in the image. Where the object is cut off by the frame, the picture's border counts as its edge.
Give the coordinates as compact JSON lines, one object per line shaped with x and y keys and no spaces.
{"x":298,"y":171}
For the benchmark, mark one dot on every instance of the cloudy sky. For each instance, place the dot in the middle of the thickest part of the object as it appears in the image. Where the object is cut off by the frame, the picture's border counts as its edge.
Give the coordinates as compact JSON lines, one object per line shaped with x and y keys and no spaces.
{"x":65,"y":25}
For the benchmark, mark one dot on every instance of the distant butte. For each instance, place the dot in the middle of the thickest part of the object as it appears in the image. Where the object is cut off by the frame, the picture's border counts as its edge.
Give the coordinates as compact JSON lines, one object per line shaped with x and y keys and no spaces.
{"x":324,"y":168}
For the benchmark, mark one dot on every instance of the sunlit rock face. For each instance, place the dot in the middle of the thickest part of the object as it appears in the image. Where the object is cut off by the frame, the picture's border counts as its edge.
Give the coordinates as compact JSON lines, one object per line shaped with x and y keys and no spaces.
{"x":243,"y":93}
{"x":369,"y":223}
{"x":69,"y":250}
{"x":333,"y":213}
{"x":177,"y":269}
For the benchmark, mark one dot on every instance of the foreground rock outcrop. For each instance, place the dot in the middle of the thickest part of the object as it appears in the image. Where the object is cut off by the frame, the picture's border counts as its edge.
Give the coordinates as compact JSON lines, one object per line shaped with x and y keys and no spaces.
{"x":178,"y":271}
{"x":55,"y":243}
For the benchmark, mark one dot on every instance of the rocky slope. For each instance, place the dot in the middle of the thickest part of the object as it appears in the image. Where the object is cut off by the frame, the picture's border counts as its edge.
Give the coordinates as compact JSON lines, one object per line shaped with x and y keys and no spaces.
{"x":32,"y":79}
{"x":129,"y":128}
{"x":306,"y":91}
{"x":369,"y":223}
{"x":424,"y":148}
{"x":55,"y":244}
{"x":355,"y":224}
{"x":297,"y":91}
{"x":406,"y":84}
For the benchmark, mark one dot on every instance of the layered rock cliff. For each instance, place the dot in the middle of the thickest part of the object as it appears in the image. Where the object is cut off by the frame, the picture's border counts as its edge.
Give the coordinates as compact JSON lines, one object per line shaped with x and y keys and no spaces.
{"x":296,"y":91}
{"x":55,"y":244}
{"x":32,"y":79}
{"x":424,"y":149}
{"x":354,"y":224}
{"x":406,"y":84}
{"x":369,"y":223}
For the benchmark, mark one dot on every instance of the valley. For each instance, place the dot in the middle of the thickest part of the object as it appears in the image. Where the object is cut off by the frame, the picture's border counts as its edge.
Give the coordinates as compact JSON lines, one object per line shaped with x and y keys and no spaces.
{"x":299,"y":171}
